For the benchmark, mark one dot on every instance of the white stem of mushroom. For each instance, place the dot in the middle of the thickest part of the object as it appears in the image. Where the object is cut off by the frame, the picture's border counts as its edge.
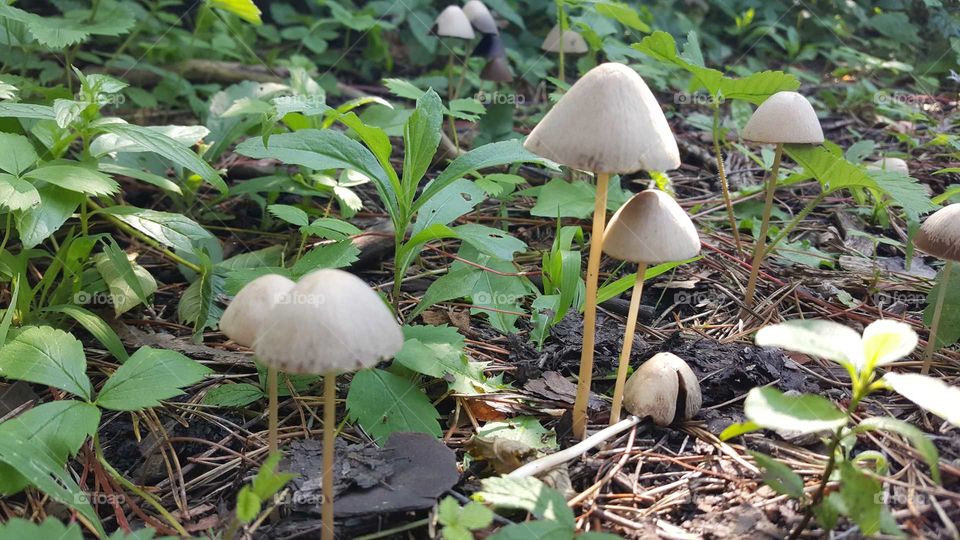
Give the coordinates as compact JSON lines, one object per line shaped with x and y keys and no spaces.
{"x":558,"y":458}
{"x":272,"y":436}
{"x":329,"y":435}
{"x":627,"y":344}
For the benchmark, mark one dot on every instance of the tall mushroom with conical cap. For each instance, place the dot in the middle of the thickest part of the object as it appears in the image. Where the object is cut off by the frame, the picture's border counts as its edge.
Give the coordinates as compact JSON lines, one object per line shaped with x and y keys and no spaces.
{"x":783,"y":118}
{"x":939,"y":236}
{"x":454,"y":23}
{"x":481,"y":18}
{"x":246,"y":315}
{"x":562,"y":42}
{"x":665,"y":389}
{"x":331,"y":321}
{"x":608,"y":122}
{"x":650,"y":228}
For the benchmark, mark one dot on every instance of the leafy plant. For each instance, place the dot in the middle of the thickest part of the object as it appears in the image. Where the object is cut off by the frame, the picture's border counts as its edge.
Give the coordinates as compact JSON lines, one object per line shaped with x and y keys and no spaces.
{"x":859,"y":496}
{"x":459,"y":522}
{"x":265,"y":485}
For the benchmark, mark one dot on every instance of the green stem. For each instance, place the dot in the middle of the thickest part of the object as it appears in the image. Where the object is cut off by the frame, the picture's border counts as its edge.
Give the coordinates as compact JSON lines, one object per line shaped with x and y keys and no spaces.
{"x":932,"y":338}
{"x":146,"y":239}
{"x":759,"y":246}
{"x":722,"y":174}
{"x":6,"y":231}
{"x":150,"y":499}
{"x":561,"y":21}
{"x":794,"y":222}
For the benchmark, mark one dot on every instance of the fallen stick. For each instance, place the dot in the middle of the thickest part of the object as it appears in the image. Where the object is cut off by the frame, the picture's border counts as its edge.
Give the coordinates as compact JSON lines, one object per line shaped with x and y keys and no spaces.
{"x":546,"y":463}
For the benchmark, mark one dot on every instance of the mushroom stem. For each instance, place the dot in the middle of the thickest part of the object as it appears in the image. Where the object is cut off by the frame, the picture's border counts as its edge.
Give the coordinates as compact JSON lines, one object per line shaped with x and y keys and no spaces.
{"x":548,"y":462}
{"x":329,"y":434}
{"x":590,"y":308}
{"x":273,"y":406}
{"x":722,"y":174}
{"x":759,"y":247}
{"x":627,"y":343}
{"x":932,"y":339}
{"x":560,"y":21}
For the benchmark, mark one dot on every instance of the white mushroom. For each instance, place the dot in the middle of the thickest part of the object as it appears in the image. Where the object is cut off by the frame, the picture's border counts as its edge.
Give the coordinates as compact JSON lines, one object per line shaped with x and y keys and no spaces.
{"x":247,"y":312}
{"x":453,"y":22}
{"x":481,"y":18}
{"x":572,"y":42}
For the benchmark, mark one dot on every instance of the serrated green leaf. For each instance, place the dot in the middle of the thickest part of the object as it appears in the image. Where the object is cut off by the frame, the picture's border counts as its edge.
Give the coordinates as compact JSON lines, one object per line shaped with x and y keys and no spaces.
{"x":334,"y":255}
{"x":75,"y":178}
{"x":47,"y":356}
{"x":149,"y":376}
{"x":829,"y":167}
{"x":421,"y":137}
{"x":290,"y":214}
{"x":384,"y":403}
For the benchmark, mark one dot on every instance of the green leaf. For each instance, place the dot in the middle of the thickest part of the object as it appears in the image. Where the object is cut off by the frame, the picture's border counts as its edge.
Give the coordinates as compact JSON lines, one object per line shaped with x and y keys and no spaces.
{"x":47,"y":356}
{"x":455,"y":200}
{"x":948,"y":332}
{"x":887,"y":341}
{"x":529,"y":494}
{"x":144,"y":176}
{"x":421,"y":137}
{"x":41,"y":468}
{"x":861,"y":498}
{"x":437,"y":351}
{"x":233,"y":395}
{"x":525,"y":429}
{"x":917,"y":438}
{"x":334,"y":255}
{"x":488,"y":155}
{"x":931,"y":393}
{"x":559,"y":198}
{"x":290,"y":214}
{"x":18,"y":154}
{"x":129,"y":283}
{"x":17,"y":194}
{"x":829,"y":167}
{"x":737,"y":429}
{"x":50,"y":527}
{"x":757,"y":87}
{"x":37,"y":223}
{"x":625,"y":283}
{"x":26,"y":110}
{"x":534,"y":530}
{"x":807,"y":413}
{"x":198,"y":305}
{"x":269,"y":481}
{"x":149,"y":376}
{"x":174,"y":151}
{"x":326,"y":149}
{"x":58,"y":427}
{"x":384,"y":403}
{"x":245,"y":9}
{"x":97,"y":327}
{"x":822,"y":338}
{"x":905,"y":191}
{"x":489,"y":241}
{"x":248,"y":505}
{"x":779,"y":477}
{"x":173,"y":230}
{"x":75,"y":178}
{"x":469,"y":109}
{"x":622,"y":13}
{"x":475,"y":516}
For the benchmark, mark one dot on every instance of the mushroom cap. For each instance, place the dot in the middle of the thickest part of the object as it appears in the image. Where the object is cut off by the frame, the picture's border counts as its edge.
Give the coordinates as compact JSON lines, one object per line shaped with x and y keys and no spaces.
{"x":940,"y":233}
{"x":657,"y":387}
{"x":891,"y":164}
{"x":481,"y":18}
{"x":330,"y":321}
{"x":490,"y":46}
{"x":785,"y":117}
{"x":453,"y":22}
{"x":573,"y":42}
{"x":608,"y":122}
{"x":651,"y":228}
{"x":497,"y":69}
{"x":247,"y":313}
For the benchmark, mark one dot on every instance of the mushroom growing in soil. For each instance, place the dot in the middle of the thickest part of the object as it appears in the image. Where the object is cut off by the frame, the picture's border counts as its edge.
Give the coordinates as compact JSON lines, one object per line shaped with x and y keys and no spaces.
{"x":940,"y":236}
{"x":665,"y":389}
{"x":891,"y":164}
{"x":783,"y":118}
{"x":571,"y":42}
{"x":453,"y":23}
{"x":329,"y":322}
{"x":650,"y":228}
{"x":497,"y":70}
{"x":608,"y":122}
{"x":480,"y":17}
{"x":242,"y":322}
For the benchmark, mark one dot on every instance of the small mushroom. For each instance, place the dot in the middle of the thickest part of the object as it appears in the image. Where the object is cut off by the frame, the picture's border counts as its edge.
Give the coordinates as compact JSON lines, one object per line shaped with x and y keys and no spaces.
{"x":608,"y":122}
{"x":328,"y":322}
{"x":563,"y":43}
{"x":783,"y":118}
{"x":663,"y":388}
{"x":940,"y":236}
{"x":490,"y":46}
{"x":650,"y":228}
{"x":481,"y":18}
{"x":243,"y":320}
{"x":891,"y":164}
{"x":453,"y":22}
{"x":497,"y":70}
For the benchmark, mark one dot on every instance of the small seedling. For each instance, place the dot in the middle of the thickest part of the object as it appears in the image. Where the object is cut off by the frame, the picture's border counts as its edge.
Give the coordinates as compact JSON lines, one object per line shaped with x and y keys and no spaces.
{"x":460,"y":522}
{"x":621,"y":129}
{"x":265,"y":485}
{"x":859,"y":496}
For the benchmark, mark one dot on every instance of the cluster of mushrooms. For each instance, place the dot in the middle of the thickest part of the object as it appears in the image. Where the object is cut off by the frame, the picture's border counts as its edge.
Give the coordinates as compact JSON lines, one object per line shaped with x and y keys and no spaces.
{"x":455,"y":22}
{"x":328,"y":323}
